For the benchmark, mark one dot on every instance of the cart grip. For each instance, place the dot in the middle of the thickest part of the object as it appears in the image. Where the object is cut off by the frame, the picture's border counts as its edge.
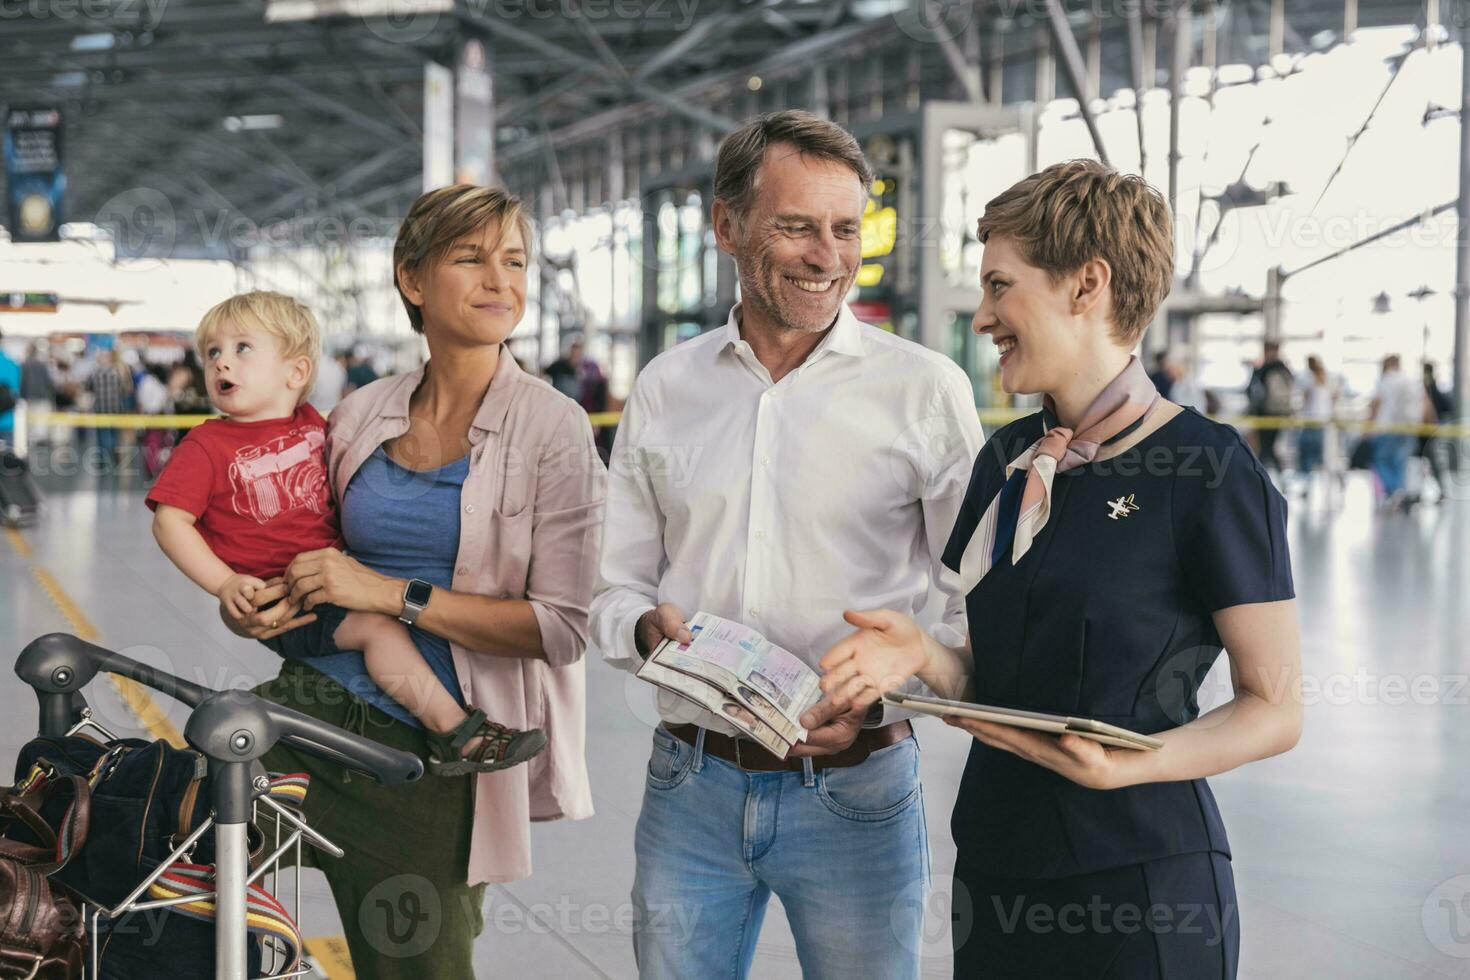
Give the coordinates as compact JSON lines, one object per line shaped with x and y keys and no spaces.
{"x":238,"y":726}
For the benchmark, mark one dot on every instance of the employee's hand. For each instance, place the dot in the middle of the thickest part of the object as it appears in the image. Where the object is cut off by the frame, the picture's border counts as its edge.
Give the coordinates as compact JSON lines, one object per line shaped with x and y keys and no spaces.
{"x":665,"y":621}
{"x":831,"y":727}
{"x":271,"y":613}
{"x":884,"y":652}
{"x":1083,"y":761}
{"x":328,"y":575}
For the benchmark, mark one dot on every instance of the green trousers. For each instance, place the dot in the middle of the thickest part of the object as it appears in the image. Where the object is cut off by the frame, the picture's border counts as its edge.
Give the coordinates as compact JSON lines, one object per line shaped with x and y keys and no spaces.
{"x":401,"y":888}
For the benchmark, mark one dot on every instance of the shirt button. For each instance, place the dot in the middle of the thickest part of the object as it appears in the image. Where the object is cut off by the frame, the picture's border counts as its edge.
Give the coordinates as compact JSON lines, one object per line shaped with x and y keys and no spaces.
{"x":753,"y":611}
{"x":469,"y":508}
{"x":760,"y":535}
{"x":765,"y":461}
{"x":463,"y":569}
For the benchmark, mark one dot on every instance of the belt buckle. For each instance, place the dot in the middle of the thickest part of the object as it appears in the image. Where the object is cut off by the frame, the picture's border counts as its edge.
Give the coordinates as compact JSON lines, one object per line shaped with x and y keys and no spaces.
{"x":736,"y":740}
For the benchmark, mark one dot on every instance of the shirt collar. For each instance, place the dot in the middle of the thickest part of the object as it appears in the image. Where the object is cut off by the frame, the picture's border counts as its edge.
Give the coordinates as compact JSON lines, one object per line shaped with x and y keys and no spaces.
{"x":843,"y":337}
{"x":493,"y":407}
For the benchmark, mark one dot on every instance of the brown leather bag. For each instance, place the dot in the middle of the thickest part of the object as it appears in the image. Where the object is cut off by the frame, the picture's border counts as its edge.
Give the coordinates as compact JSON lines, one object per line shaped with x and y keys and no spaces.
{"x":41,"y":930}
{"x":41,"y":935}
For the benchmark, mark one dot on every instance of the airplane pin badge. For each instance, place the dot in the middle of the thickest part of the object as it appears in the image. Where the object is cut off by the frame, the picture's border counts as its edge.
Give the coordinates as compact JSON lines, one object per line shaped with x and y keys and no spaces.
{"x":1121,"y":507}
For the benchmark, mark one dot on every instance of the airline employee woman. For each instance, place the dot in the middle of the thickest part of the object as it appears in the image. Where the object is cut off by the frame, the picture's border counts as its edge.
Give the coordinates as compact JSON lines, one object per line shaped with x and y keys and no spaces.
{"x":1111,"y":545}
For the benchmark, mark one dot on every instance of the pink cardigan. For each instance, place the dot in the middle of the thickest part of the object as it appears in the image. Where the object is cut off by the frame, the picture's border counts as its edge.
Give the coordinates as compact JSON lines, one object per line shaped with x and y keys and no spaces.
{"x":530,"y":530}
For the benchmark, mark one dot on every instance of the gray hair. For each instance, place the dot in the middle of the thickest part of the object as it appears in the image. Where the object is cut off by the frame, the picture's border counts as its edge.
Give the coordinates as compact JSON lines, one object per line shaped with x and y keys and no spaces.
{"x":738,"y":163}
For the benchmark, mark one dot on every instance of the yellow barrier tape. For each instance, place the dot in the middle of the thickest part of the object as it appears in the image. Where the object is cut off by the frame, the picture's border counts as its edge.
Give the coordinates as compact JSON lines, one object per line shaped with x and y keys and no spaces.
{"x":1364,"y":426}
{"x":95,"y":420}
{"x":988,"y":416}
{"x":134,"y":695}
{"x":1003,"y":416}
{"x":331,"y":955}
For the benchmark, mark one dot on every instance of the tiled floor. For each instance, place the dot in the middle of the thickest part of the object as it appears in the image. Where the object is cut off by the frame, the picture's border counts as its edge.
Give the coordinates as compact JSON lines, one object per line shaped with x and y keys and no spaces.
{"x":1347,"y":850}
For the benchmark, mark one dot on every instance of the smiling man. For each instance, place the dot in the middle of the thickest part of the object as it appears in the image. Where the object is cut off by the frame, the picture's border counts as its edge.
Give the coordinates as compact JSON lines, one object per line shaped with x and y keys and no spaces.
{"x":778,"y":471}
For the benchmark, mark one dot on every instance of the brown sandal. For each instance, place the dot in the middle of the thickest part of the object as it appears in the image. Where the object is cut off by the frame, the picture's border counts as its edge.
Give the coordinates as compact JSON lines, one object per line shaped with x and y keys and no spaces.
{"x":502,"y":747}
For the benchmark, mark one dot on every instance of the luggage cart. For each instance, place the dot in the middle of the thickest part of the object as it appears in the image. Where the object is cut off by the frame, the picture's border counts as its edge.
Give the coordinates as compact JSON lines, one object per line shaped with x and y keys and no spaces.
{"x":233,"y":729}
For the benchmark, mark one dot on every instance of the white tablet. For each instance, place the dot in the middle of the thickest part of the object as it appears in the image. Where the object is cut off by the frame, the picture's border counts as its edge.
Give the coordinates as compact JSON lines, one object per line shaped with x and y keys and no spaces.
{"x":1037,"y":720}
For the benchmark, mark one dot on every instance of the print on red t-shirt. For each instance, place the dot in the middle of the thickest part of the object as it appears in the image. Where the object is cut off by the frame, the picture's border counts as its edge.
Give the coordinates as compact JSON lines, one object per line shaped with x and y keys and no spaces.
{"x":258,"y":490}
{"x":286,"y":472}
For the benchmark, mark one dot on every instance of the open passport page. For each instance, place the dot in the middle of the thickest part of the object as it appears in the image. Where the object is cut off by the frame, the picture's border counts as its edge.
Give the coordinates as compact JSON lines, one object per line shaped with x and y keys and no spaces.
{"x":727,"y":666}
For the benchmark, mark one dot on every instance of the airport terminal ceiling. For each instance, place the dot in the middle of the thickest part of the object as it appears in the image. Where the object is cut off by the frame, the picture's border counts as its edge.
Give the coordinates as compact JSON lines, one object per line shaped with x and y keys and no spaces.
{"x":263,"y":112}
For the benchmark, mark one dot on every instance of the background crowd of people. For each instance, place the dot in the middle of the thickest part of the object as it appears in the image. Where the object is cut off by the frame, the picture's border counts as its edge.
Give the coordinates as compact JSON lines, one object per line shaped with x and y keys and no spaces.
{"x":136,"y":380}
{"x":1301,"y":457}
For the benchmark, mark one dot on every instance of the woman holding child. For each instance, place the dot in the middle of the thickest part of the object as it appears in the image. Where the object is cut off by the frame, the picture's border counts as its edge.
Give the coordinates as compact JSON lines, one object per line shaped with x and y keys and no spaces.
{"x":470,"y":497}
{"x":1110,"y":545}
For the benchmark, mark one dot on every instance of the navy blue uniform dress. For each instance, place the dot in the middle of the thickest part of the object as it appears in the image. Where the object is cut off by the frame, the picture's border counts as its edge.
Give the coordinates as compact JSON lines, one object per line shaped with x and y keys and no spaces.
{"x":1108,"y":616}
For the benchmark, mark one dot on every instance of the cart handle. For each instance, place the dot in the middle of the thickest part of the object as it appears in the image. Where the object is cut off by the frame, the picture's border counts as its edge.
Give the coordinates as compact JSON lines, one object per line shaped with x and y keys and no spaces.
{"x":240,"y":726}
{"x":58,"y":665}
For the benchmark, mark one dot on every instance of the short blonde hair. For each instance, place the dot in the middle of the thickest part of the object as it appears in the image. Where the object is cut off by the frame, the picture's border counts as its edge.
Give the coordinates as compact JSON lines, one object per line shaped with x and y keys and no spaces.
{"x":1072,"y":212}
{"x":440,"y":218}
{"x":287,"y":320}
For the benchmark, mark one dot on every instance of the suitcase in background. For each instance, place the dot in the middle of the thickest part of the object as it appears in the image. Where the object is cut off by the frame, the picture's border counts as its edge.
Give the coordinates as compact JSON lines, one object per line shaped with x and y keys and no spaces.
{"x":20,"y":499}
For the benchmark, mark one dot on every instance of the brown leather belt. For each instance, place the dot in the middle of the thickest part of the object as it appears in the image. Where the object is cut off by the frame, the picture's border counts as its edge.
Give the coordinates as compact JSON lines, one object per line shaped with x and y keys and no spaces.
{"x":749,"y":755}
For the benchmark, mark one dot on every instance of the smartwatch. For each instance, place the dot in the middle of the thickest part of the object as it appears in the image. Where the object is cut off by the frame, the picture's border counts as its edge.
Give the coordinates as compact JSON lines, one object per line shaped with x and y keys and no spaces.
{"x":415,"y":597}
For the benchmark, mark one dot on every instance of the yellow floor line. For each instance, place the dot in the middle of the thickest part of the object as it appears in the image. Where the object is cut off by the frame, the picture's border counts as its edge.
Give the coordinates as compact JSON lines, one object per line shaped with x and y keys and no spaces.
{"x":21,"y":546}
{"x":330,"y":951}
{"x":134,"y":695}
{"x":331,"y":954}
{"x":80,"y":624}
{"x":141,"y":703}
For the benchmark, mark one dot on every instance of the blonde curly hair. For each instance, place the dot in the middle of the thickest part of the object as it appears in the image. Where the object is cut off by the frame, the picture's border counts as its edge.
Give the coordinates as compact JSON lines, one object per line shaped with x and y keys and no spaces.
{"x":287,"y":320}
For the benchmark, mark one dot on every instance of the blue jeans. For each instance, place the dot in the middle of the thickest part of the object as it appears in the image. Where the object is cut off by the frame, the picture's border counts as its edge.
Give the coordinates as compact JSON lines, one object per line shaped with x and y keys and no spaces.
{"x":1309,"y":445}
{"x":846,"y":850}
{"x":1391,"y":452}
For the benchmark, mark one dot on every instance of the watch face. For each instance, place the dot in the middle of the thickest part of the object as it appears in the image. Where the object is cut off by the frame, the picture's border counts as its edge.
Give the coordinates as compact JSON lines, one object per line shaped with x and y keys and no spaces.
{"x":418,"y":592}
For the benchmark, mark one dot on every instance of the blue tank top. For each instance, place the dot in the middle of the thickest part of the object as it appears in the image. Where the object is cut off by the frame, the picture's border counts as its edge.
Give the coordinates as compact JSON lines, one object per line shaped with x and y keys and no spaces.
{"x":403,"y":523}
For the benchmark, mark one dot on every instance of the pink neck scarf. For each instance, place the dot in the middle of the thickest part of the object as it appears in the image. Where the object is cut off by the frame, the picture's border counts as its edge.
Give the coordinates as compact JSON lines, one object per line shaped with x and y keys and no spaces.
{"x":1121,"y":407}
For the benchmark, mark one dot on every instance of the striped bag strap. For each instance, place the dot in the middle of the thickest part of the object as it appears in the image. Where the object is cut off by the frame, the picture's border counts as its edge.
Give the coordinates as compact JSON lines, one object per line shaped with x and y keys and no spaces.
{"x":289,"y":787}
{"x":264,"y":915}
{"x":25,"y":803}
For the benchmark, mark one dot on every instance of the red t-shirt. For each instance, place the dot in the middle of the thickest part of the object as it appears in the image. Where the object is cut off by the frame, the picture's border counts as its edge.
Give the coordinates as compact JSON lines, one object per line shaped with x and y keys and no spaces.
{"x":259,"y":490}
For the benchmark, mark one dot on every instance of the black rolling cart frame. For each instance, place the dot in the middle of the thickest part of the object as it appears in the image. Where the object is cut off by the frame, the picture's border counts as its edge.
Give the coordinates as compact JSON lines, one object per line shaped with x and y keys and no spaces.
{"x":232,"y":729}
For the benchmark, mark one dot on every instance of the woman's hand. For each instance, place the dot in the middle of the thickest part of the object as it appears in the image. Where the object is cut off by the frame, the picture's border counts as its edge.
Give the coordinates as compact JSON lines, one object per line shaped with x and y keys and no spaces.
{"x":272,"y":614}
{"x":886,"y":650}
{"x":1083,"y":761}
{"x":328,"y":575}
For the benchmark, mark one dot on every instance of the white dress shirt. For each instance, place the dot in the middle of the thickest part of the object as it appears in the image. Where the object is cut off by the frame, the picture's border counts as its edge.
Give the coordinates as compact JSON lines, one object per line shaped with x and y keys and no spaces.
{"x":781,"y":505}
